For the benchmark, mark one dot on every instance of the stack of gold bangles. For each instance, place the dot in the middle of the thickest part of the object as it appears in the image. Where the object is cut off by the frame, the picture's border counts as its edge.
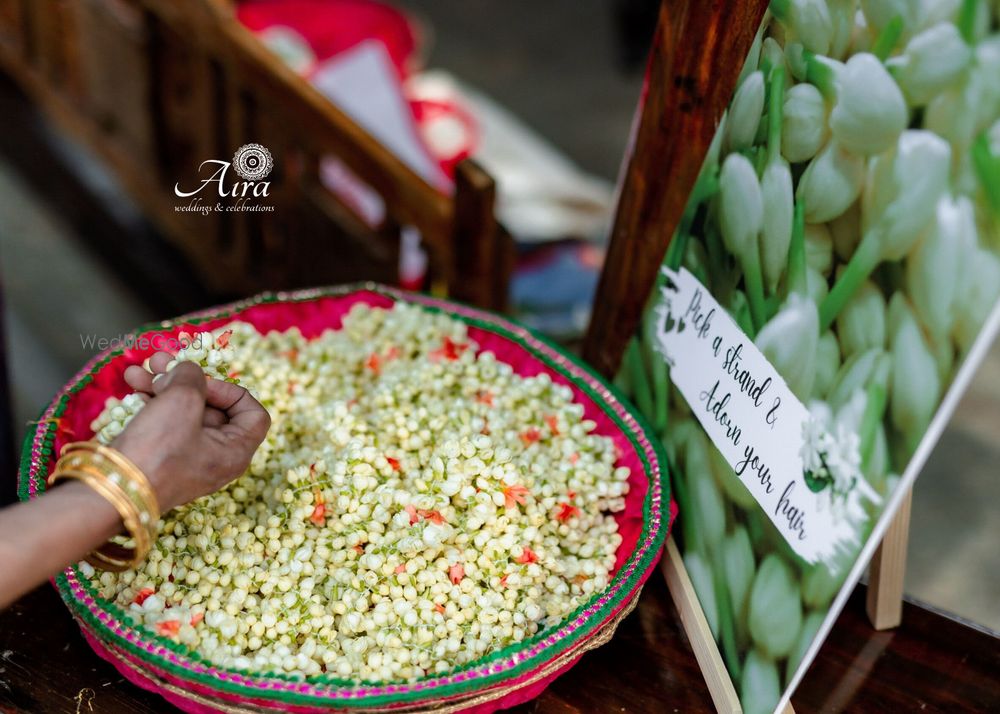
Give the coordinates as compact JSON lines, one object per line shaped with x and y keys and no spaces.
{"x":122,"y":483}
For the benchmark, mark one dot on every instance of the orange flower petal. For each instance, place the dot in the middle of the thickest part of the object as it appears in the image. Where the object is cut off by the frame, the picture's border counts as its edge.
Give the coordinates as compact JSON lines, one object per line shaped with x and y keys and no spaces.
{"x":456,"y":573}
{"x":527,"y":556}
{"x":530,"y":435}
{"x":168,"y":628}
{"x":514,"y":495}
{"x":143,"y":595}
{"x":319,"y":514}
{"x":567,"y":511}
{"x":434,"y":517}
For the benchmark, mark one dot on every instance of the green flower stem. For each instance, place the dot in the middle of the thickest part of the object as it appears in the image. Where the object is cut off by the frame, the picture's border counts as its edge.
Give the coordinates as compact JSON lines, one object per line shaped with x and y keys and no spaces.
{"x":967,"y":20}
{"x":716,"y":253}
{"x":741,"y":313}
{"x":665,"y":431}
{"x":750,"y":262}
{"x":693,"y":262}
{"x":676,"y":250}
{"x":870,"y":419}
{"x":776,"y":102}
{"x":705,"y":187}
{"x":758,"y":155}
{"x":660,"y":395}
{"x":865,"y":259}
{"x":797,"y":252}
{"x":689,"y":528}
{"x":658,"y":368}
{"x":820,"y":75}
{"x":887,"y":40}
{"x":780,"y":9}
{"x":622,"y":382}
{"x":765,"y":67}
{"x":637,"y":376}
{"x":988,"y":170}
{"x":772,"y":303}
{"x":727,"y":627}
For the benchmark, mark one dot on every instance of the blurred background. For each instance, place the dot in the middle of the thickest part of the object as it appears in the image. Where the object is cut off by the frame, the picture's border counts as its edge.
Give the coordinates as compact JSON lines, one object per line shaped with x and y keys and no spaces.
{"x":466,"y":148}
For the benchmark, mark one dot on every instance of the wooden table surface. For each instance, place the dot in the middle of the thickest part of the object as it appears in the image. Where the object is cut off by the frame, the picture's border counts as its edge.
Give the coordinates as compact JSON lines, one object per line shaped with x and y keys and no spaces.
{"x":933,"y":663}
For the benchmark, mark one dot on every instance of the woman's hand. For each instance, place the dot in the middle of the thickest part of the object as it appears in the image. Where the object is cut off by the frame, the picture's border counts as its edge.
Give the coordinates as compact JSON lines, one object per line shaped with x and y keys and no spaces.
{"x":195,"y":435}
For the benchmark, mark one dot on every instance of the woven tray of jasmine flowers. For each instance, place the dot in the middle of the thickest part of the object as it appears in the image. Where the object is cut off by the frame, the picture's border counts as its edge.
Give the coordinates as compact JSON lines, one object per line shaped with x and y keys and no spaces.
{"x":172,"y":635}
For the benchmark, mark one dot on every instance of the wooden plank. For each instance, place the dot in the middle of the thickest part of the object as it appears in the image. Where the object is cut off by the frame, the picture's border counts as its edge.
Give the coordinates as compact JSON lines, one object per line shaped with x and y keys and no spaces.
{"x":115,"y":66}
{"x":706,"y":651}
{"x":311,"y":115}
{"x":474,"y":237}
{"x":698,"y":51}
{"x":12,"y":25}
{"x":887,"y":570}
{"x":167,"y":84}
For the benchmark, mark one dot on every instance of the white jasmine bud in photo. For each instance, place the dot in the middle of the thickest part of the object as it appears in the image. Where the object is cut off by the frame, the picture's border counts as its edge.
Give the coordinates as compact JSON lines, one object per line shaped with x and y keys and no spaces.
{"x":934,"y":270}
{"x":807,"y":21}
{"x":805,"y":129}
{"x":931,"y":61}
{"x":831,"y":183}
{"x":870,"y":112}
{"x":745,"y":112}
{"x":789,"y":341}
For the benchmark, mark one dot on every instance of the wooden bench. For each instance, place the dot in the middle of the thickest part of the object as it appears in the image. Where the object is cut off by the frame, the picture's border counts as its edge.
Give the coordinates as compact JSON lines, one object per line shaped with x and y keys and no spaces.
{"x":155,"y":87}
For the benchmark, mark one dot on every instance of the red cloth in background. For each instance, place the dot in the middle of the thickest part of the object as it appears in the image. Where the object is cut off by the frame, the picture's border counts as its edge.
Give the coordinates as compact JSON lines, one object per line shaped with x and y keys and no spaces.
{"x":333,"y":26}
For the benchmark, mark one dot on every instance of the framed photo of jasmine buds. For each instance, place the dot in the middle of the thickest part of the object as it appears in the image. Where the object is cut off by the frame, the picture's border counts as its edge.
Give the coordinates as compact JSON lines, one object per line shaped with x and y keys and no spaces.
{"x":824,"y":297}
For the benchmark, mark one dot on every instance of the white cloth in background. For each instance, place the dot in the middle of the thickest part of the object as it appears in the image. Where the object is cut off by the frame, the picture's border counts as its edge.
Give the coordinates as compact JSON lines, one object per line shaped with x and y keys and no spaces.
{"x":541,"y":195}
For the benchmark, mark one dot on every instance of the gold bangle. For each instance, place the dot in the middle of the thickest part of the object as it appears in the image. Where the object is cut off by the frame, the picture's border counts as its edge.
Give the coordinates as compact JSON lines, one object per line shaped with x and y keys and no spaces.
{"x":122,"y":465}
{"x":118,"y":469}
{"x":124,"y":486}
{"x":112,"y":556}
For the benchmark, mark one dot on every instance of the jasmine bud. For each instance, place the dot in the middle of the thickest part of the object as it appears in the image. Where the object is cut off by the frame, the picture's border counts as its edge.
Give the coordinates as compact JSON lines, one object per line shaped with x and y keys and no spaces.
{"x":870,"y":112}
{"x":861,"y":324}
{"x":805,"y":130}
{"x":915,"y":383}
{"x":933,"y":272}
{"x":745,"y":112}
{"x":760,"y":688}
{"x":827,"y":364}
{"x":789,"y":342}
{"x":775,"y":608}
{"x":931,"y":61}
{"x":831,"y":183}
